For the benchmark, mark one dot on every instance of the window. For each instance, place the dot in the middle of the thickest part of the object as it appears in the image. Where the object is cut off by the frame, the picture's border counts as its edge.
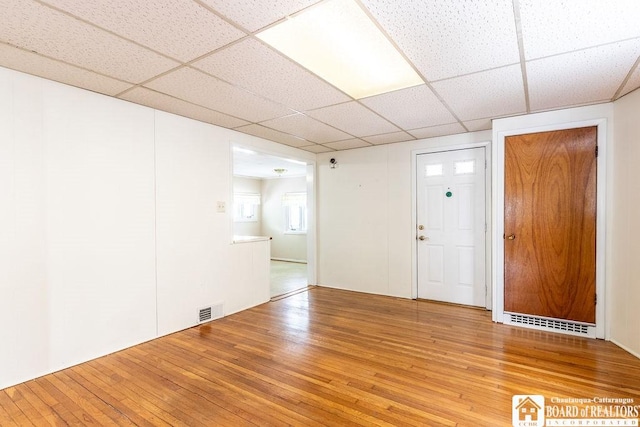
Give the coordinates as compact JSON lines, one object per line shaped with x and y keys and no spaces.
{"x":295,"y":212}
{"x":245,"y":207}
{"x":433,"y":170}
{"x":464,"y":167}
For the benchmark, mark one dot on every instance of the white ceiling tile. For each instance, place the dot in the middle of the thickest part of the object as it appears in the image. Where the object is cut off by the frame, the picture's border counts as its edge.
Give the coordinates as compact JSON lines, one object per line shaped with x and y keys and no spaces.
{"x":259,"y":69}
{"x":256,"y":14}
{"x":441,"y":130}
{"x":307,"y":128}
{"x":160,"y":101}
{"x":468,"y":49}
{"x":317,"y":149}
{"x":553,"y":27}
{"x":633,"y":83}
{"x":411,"y":108}
{"x":273,"y":135}
{"x":492,"y":93}
{"x":389,"y":138}
{"x":198,"y":88}
{"x":347,"y":144}
{"x":450,"y":37}
{"x":38,"y":28}
{"x":554,"y":82}
{"x":38,"y":65}
{"x":180,"y":29}
{"x":353,"y":118}
{"x":476,"y":125}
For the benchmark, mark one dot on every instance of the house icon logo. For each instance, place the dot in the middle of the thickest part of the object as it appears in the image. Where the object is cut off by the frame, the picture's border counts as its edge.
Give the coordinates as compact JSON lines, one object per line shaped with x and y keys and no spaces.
{"x":528,"y":410}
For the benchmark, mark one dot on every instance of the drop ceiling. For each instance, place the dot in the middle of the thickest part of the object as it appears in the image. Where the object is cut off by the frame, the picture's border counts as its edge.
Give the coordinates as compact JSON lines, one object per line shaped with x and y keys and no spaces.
{"x":478,"y":60}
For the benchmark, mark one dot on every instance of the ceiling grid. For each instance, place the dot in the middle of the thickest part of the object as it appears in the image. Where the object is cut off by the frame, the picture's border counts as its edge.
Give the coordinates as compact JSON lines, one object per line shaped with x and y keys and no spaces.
{"x":478,"y":60}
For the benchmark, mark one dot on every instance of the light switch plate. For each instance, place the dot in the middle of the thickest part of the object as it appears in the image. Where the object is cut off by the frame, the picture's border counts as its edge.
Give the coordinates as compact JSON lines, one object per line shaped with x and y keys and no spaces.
{"x":222,"y":207}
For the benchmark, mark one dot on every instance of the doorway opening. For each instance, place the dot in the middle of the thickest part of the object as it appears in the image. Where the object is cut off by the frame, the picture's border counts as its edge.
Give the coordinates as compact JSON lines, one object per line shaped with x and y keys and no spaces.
{"x":271,"y":199}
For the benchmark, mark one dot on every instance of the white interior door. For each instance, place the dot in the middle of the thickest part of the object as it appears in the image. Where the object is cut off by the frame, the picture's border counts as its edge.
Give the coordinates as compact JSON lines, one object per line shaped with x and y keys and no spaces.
{"x":451,"y":226}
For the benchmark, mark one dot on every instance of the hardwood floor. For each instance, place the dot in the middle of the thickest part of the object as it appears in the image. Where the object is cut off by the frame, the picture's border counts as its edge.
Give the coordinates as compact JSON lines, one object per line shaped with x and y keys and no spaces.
{"x":328,"y":358}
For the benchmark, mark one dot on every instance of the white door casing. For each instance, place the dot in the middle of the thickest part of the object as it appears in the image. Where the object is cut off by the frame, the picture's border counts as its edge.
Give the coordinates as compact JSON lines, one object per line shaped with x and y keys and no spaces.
{"x":451,"y":211}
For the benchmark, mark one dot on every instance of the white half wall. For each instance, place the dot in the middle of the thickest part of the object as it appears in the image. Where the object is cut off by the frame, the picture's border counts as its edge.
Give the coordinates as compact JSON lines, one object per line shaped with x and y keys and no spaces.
{"x":365,"y":215}
{"x":624,"y":267}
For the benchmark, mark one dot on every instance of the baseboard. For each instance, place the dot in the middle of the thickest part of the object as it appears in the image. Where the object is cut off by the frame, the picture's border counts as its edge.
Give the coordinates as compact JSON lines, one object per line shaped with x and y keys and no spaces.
{"x":625,"y":348}
{"x":299,"y":261}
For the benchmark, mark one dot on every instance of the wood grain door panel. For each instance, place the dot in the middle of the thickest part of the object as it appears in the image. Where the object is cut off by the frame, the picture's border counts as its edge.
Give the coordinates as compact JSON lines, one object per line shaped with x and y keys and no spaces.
{"x":550,"y":208}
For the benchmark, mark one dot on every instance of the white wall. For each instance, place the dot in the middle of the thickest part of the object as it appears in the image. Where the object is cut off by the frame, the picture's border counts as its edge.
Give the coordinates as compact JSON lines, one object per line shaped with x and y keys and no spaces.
{"x":365,"y":231}
{"x":252,"y":186}
{"x":100,"y":228}
{"x":624,"y":266}
{"x":110,"y":233}
{"x":292,"y":247}
{"x":77,"y":262}
{"x":196,"y":263}
{"x":192,"y":174}
{"x":24,"y":293}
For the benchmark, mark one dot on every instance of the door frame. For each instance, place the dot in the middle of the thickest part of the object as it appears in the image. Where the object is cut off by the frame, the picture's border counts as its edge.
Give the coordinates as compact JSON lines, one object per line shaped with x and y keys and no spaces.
{"x":311,"y":178}
{"x":487,"y":201}
{"x":498,"y":207}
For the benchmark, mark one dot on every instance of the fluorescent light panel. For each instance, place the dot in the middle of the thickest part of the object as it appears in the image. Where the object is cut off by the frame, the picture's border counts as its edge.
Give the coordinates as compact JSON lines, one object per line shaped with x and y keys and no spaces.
{"x":337,"y":41}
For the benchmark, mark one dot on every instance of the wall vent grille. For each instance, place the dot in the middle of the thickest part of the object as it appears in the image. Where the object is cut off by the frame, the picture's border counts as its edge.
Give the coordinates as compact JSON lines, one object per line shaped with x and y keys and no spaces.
{"x":552,"y":325}
{"x":205,"y":314}
{"x":211,"y":312}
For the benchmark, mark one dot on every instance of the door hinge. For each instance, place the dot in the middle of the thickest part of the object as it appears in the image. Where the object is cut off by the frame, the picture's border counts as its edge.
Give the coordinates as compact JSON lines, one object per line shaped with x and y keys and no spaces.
{"x":485,"y":163}
{"x":596,"y":151}
{"x":595,"y":299}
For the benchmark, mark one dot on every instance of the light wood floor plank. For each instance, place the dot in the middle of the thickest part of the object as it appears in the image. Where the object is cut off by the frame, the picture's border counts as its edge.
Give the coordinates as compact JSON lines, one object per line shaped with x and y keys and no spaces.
{"x":195,"y":377}
{"x":327,"y":357}
{"x":47,"y":415}
{"x":29,"y":413}
{"x":10,"y":413}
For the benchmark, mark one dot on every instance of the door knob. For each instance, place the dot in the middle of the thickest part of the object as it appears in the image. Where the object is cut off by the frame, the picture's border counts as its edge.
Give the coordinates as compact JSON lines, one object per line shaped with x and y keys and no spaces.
{"x":422,"y":238}
{"x":511,"y":237}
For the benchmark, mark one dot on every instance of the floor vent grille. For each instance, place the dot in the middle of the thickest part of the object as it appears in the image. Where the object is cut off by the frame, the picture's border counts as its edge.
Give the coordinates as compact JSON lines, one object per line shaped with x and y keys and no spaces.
{"x":211,"y":312}
{"x":553,"y":325}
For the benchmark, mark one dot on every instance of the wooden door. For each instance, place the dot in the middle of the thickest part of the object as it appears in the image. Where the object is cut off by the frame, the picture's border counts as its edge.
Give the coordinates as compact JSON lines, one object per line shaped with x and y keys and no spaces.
{"x":451,"y":226}
{"x":550,"y":224}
